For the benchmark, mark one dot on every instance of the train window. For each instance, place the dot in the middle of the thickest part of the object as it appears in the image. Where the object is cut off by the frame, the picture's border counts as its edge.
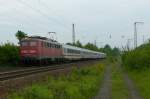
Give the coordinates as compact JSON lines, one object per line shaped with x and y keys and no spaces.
{"x":53,"y":45}
{"x":24,"y":44}
{"x":50,"y":45}
{"x":58,"y":46}
{"x":44,"y":44}
{"x":32,"y":43}
{"x":65,"y":50}
{"x":47,"y":44}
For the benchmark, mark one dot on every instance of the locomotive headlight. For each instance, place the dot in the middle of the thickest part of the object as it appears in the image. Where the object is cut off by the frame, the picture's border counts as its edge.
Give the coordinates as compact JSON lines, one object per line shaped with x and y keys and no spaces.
{"x":28,"y":51}
{"x":24,"y":51}
{"x":32,"y":51}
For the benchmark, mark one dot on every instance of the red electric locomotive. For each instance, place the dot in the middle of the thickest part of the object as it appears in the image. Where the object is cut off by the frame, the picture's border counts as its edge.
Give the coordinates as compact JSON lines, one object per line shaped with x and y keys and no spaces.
{"x":38,"y":49}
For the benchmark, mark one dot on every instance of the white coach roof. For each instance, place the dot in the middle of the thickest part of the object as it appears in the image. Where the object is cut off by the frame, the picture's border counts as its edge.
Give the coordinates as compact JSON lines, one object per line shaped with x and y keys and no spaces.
{"x":81,"y":49}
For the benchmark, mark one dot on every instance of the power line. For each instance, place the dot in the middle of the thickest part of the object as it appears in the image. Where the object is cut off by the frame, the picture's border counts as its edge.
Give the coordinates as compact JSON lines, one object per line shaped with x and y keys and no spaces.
{"x":47,"y":7}
{"x":41,"y":13}
{"x":24,"y":17}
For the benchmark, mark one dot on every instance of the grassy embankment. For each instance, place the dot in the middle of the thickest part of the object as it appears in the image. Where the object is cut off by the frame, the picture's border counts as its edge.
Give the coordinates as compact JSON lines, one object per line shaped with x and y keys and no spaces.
{"x":137,"y":63}
{"x":119,"y":89}
{"x":80,"y":84}
{"x":142,"y":81}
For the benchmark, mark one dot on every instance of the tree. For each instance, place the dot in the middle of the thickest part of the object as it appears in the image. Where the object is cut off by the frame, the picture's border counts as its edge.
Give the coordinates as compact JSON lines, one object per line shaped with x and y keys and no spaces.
{"x":69,"y":44}
{"x":78,"y":44}
{"x":91,"y":46}
{"x":20,"y":35}
{"x":115,"y":51}
{"x":107,"y":49}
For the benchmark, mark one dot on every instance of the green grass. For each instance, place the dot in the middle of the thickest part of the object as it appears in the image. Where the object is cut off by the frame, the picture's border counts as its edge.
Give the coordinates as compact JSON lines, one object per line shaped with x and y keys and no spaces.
{"x":80,"y":84}
{"x":141,"y":79}
{"x":119,"y":89}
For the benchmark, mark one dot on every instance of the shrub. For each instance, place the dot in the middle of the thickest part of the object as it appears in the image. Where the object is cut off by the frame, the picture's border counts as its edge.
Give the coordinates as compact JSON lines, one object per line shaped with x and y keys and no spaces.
{"x":34,"y":92}
{"x":137,"y":58}
{"x":9,"y":54}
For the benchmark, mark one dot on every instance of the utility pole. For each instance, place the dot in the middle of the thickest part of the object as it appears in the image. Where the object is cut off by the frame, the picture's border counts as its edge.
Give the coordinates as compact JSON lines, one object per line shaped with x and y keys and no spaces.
{"x":135,"y":33}
{"x":95,"y":43}
{"x":128,"y":44}
{"x":73,"y":33}
{"x":143,"y":39}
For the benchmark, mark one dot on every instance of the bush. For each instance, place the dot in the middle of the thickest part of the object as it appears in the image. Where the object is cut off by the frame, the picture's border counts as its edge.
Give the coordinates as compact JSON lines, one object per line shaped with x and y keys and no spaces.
{"x":34,"y":92}
{"x":138,"y":58}
{"x":9,"y":54}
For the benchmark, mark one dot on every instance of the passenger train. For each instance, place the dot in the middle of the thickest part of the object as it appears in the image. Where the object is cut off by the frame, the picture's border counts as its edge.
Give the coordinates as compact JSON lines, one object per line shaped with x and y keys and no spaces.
{"x":41,"y":50}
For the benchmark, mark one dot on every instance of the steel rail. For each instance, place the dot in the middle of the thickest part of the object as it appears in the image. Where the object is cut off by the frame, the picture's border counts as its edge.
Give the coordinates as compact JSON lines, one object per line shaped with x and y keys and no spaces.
{"x":24,"y":72}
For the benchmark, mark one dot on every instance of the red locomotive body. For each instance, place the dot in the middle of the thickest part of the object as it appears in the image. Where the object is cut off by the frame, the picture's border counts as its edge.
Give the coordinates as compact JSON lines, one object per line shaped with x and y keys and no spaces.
{"x":39,"y":49}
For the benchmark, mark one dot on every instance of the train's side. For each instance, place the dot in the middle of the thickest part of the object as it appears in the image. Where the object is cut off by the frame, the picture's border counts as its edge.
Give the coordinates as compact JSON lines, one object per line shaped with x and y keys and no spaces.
{"x":42,"y":50}
{"x":75,"y":53}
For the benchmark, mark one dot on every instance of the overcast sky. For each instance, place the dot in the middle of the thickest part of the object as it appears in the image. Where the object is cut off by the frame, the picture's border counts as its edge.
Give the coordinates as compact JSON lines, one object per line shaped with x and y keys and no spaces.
{"x":94,"y":19}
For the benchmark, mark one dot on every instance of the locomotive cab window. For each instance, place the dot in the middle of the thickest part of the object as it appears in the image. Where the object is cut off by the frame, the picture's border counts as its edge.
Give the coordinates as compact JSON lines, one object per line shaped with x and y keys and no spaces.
{"x":24,"y":43}
{"x":33,"y":43}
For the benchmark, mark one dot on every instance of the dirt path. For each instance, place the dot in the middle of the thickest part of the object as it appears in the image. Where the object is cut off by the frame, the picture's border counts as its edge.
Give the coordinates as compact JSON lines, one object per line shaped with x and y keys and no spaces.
{"x":134,"y":94}
{"x":104,"y":92}
{"x":106,"y":86}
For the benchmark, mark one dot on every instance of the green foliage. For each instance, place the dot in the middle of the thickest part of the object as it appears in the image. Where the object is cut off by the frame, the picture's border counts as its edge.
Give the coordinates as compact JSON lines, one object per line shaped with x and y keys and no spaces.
{"x":137,"y":58}
{"x":111,"y":52}
{"x":80,"y":84}
{"x":77,"y":44}
{"x":20,"y":35}
{"x":9,"y":54}
{"x":119,"y":89}
{"x":91,"y":46}
{"x":141,"y":80}
{"x":34,"y":92}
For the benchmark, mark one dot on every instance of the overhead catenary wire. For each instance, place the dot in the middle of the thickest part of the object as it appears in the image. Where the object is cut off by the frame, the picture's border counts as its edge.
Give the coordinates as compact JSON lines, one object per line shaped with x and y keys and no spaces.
{"x":18,"y":19}
{"x":43,"y":14}
{"x":59,"y":17}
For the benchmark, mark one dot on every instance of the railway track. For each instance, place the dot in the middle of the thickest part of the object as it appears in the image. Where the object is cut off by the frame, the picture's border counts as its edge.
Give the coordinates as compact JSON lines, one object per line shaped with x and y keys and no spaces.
{"x":24,"y":72}
{"x":17,"y":79}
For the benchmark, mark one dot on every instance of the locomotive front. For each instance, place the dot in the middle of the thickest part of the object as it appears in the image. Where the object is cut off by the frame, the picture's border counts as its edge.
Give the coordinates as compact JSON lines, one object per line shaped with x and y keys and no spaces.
{"x":30,"y":50}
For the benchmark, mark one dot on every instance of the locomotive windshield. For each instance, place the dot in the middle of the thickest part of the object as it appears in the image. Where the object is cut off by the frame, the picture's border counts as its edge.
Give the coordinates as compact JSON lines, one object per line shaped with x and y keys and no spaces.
{"x":33,"y":43}
{"x":28,"y":43}
{"x":24,"y":43}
